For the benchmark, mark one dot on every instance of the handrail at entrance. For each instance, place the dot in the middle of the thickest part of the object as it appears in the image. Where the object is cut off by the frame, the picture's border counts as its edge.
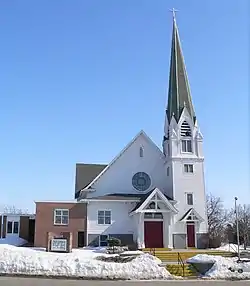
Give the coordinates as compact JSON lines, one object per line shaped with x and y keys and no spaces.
{"x":180,"y":261}
{"x":152,"y":251}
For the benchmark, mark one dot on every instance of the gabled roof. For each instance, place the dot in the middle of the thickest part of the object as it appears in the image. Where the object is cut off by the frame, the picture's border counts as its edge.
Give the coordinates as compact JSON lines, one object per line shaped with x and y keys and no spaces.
{"x":85,"y":173}
{"x":193,"y":213}
{"x":141,"y":133}
{"x":146,"y":199}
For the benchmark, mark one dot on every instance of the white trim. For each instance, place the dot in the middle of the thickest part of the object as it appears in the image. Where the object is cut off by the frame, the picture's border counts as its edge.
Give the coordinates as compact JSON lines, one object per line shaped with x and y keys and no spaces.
{"x":153,"y":219}
{"x":61,"y":210}
{"x":120,"y":201}
{"x":163,"y":198}
{"x":104,"y":210}
{"x":195,"y":236}
{"x":200,"y":219}
{"x":141,"y":133}
{"x":185,"y":159}
{"x":155,"y":211}
{"x":59,"y":202}
{"x":12,"y":227}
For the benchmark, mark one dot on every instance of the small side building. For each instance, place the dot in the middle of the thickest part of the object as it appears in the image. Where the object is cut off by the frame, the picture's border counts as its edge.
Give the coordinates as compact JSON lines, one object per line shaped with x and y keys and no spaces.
{"x":60,"y":217}
{"x":16,"y":229}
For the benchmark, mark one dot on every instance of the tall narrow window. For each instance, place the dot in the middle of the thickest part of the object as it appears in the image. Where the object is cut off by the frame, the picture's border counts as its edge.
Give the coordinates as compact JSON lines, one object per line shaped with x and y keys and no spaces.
{"x":190,"y":199}
{"x":141,"y":152}
{"x":16,"y":227}
{"x":186,"y":141}
{"x":167,"y":171}
{"x":9,"y":226}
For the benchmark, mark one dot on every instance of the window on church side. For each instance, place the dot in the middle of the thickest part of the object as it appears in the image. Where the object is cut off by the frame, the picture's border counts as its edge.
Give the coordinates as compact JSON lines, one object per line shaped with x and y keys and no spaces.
{"x":104,"y":217}
{"x":188,"y":168}
{"x":186,"y":146}
{"x":167,"y":171}
{"x":141,"y":152}
{"x":190,"y":200}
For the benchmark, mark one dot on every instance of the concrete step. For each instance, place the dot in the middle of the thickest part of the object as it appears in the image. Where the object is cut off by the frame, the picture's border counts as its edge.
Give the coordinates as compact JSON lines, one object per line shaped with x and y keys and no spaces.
{"x":182,"y":270}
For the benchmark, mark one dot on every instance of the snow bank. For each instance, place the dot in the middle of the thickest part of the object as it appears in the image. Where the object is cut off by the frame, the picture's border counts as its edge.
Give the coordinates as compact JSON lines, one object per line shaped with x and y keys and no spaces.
{"x":13,"y":240}
{"x":231,"y":247}
{"x":80,"y":263}
{"x":220,"y":269}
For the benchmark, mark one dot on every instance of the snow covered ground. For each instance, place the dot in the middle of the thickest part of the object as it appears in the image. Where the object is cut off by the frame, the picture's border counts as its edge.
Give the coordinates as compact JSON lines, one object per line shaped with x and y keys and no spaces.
{"x":13,"y":240}
{"x":220,"y":270}
{"x":79,"y":263}
{"x":231,"y":247}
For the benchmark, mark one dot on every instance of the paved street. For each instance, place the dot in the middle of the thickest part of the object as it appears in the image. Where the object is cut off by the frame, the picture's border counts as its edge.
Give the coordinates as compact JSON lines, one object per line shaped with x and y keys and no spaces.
{"x":8,"y":281}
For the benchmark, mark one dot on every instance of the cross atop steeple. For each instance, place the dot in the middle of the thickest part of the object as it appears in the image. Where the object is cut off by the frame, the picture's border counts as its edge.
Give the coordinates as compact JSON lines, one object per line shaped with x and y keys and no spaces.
{"x":173,"y":10}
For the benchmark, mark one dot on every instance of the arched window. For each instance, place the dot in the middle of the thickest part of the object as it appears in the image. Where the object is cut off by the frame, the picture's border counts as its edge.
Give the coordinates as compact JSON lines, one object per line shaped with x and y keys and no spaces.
{"x":141,"y":152}
{"x":186,"y":138}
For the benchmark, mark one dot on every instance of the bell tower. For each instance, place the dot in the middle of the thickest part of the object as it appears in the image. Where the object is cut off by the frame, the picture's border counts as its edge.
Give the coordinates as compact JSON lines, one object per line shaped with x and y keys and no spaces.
{"x":183,"y":141}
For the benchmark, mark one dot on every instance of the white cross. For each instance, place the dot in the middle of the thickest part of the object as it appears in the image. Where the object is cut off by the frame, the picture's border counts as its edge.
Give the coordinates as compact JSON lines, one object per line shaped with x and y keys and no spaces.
{"x":173,"y":12}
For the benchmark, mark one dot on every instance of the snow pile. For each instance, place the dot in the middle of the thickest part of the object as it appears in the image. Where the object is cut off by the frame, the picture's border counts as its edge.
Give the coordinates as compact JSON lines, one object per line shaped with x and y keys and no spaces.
{"x":222,"y":266}
{"x":80,"y":263}
{"x":13,"y":240}
{"x":231,"y":247}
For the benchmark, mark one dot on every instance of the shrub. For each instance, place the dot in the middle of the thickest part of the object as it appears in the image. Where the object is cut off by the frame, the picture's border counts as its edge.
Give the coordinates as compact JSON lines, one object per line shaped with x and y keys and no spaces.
{"x":113,"y":242}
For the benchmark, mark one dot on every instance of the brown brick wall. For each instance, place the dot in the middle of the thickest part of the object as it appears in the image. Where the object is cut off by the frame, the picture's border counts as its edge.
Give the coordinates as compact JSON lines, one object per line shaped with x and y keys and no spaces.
{"x":24,"y":227}
{"x":45,"y":221}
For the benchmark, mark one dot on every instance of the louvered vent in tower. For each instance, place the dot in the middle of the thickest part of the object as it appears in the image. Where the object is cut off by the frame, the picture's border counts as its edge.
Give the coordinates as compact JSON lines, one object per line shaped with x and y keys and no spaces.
{"x":185,"y":129}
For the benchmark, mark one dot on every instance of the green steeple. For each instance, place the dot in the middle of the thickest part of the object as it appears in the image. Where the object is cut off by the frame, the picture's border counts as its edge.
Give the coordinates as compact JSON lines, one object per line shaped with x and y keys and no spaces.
{"x":179,"y":90}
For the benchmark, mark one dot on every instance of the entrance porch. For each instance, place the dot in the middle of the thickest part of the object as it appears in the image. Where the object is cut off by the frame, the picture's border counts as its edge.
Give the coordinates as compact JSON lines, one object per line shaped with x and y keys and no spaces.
{"x":153,"y":219}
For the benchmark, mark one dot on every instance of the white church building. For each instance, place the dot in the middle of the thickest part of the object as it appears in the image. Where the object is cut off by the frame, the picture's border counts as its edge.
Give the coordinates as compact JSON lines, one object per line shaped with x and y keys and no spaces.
{"x":149,"y":196}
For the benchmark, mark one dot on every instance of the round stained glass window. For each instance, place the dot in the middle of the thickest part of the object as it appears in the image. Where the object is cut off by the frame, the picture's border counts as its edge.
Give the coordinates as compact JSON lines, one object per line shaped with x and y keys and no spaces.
{"x":141,"y":181}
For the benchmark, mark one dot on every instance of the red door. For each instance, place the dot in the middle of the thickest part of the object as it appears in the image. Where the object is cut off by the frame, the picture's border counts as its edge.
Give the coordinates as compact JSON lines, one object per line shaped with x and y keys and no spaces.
{"x":153,"y":234}
{"x":191,"y":235}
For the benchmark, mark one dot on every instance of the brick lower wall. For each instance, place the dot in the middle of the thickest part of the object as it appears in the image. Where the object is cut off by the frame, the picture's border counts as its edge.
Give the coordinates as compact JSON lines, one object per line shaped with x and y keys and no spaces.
{"x":45,"y":221}
{"x":24,"y":227}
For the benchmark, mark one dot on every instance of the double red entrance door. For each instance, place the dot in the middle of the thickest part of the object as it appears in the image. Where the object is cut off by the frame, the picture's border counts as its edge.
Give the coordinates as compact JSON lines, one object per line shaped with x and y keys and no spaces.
{"x":153,"y":234}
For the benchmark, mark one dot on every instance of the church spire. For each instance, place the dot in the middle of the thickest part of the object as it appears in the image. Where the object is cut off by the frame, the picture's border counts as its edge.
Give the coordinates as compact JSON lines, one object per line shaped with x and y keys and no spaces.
{"x":179,"y":95}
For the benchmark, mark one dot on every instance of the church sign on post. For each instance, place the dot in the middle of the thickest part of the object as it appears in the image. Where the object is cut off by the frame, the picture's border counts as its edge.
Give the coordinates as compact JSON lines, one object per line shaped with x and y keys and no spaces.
{"x":58,"y":244}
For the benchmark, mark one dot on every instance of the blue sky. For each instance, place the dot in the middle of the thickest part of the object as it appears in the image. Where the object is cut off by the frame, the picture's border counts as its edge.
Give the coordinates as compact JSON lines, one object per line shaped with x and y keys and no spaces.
{"x":79,"y":79}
